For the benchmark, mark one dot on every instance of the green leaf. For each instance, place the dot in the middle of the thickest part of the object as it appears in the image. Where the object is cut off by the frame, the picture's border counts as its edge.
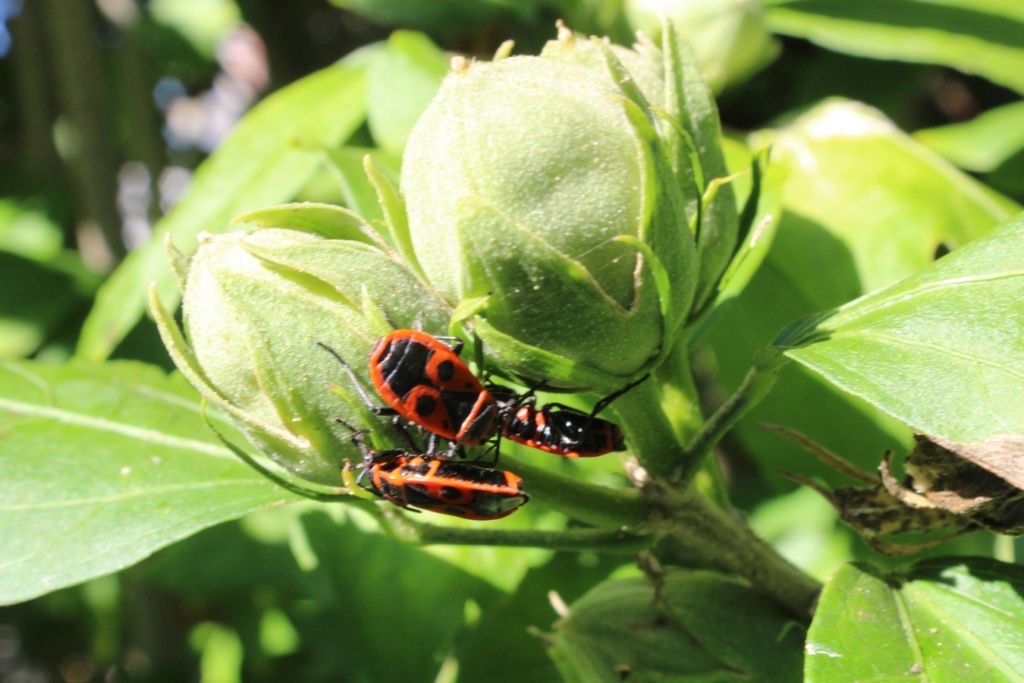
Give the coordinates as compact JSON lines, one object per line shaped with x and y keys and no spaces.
{"x":267,"y":159}
{"x":863,"y":205}
{"x":945,"y":619}
{"x":339,"y":580}
{"x":981,"y":144}
{"x":699,"y":626}
{"x":370,"y":576}
{"x":402,"y":79}
{"x":102,"y":465}
{"x":941,"y":350}
{"x":982,"y":37}
{"x":885,"y":201}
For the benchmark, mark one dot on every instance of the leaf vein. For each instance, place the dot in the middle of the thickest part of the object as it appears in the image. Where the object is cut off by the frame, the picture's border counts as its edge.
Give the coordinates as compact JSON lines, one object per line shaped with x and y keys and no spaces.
{"x":151,"y":436}
{"x":933,"y":347}
{"x":861,"y":309}
{"x":106,"y":500}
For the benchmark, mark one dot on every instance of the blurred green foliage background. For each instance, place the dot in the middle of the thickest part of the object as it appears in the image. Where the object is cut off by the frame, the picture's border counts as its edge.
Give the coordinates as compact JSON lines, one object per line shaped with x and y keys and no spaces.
{"x":108,"y":107}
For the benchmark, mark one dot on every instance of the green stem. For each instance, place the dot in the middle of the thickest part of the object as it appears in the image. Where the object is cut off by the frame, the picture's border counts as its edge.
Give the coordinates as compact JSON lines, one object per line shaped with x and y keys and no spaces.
{"x":650,"y":434}
{"x":600,"y":506}
{"x":679,"y":396}
{"x":618,"y":541}
{"x":714,"y":537}
{"x":752,"y":390}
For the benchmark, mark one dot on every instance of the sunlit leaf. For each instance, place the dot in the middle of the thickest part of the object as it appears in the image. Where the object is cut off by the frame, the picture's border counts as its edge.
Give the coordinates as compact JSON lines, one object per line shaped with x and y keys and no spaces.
{"x":102,"y":465}
{"x":946,"y":619}
{"x":863,"y":206}
{"x":982,"y":143}
{"x":402,"y":79}
{"x":982,"y":37}
{"x":941,"y":350}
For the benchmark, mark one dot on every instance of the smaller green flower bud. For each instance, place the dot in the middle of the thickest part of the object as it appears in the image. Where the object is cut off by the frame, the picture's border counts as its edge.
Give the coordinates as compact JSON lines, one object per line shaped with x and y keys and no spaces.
{"x":541,"y":198}
{"x":730,"y":39}
{"x":256,"y":302}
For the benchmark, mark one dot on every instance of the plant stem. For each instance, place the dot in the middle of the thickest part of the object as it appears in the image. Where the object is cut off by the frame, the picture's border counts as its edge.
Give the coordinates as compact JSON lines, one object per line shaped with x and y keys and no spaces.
{"x":651,"y":435}
{"x":600,"y":506}
{"x":755,"y":386}
{"x":679,"y":396}
{"x":618,"y":541}
{"x":715,"y":538}
{"x":707,"y":533}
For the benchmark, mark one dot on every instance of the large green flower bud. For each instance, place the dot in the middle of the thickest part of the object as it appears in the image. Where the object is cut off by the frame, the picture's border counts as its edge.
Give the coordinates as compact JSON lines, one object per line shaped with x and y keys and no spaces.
{"x":255,"y":302}
{"x":541,"y":197}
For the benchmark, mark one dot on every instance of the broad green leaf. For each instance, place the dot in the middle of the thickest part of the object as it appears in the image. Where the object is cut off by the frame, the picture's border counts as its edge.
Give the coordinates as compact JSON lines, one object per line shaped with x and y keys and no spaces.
{"x":698,"y":626}
{"x":266,"y":160}
{"x":982,"y":37}
{"x":380,"y":584}
{"x":982,"y":143}
{"x":941,"y":350}
{"x":863,"y":206}
{"x":402,"y":79}
{"x":887,"y":199}
{"x":345,"y":586}
{"x":945,"y":619}
{"x":101,"y":466}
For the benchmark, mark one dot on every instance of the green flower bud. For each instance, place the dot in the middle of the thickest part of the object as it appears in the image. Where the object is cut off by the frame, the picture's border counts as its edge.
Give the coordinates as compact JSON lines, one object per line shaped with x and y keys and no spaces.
{"x":255,"y":302}
{"x":730,"y":39}
{"x":541,"y":198}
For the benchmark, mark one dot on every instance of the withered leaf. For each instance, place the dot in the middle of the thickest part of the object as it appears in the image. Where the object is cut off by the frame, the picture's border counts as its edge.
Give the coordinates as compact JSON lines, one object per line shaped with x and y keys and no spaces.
{"x":980,"y":482}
